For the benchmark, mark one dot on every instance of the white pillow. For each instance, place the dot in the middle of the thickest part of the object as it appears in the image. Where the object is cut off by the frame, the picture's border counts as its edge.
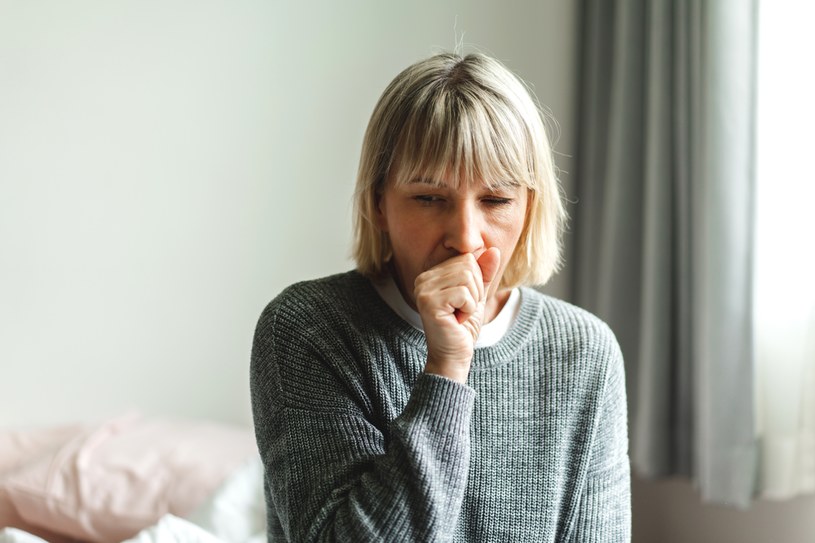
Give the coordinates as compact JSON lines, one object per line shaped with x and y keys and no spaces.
{"x":236,"y":512}
{"x":171,"y":529}
{"x":13,"y":535}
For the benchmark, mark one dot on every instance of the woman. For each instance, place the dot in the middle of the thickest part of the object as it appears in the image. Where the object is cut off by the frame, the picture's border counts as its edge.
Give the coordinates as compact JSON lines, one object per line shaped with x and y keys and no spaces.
{"x":427,"y":395}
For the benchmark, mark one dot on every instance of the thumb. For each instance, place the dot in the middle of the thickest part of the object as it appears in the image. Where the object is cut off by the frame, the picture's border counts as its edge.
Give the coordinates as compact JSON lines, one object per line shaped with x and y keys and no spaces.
{"x":489,"y":262}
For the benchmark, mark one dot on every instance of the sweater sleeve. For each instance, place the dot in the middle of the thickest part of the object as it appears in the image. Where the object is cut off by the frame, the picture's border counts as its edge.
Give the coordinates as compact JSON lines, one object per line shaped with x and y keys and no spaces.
{"x":333,"y":475}
{"x":604,"y":511}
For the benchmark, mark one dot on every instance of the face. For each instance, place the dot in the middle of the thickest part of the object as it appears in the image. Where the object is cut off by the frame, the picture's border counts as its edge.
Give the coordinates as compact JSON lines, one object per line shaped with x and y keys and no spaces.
{"x":429,"y":221}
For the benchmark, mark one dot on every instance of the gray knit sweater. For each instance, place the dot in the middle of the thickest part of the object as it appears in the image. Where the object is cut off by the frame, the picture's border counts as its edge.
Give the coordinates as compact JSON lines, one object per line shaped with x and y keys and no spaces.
{"x":360,"y":445}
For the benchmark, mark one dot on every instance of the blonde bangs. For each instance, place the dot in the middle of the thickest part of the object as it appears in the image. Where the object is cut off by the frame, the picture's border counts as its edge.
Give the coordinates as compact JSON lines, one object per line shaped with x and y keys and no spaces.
{"x":477,"y":137}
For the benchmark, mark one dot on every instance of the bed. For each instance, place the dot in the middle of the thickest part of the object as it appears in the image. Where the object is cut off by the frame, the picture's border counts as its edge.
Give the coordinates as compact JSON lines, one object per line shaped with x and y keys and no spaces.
{"x":131,"y":478}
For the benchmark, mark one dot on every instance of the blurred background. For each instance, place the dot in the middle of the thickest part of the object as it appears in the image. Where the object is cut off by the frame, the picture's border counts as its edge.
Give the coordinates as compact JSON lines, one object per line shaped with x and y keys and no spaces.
{"x":166,"y":168}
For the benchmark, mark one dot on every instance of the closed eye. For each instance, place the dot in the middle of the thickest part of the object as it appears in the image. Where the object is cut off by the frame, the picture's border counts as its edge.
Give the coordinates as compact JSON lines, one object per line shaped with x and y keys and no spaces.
{"x":496,"y":201}
{"x":427,"y":199}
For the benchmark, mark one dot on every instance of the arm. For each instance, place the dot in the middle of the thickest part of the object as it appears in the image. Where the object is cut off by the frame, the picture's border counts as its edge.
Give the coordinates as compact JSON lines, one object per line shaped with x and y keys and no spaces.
{"x":604,"y":508}
{"x":332,"y":474}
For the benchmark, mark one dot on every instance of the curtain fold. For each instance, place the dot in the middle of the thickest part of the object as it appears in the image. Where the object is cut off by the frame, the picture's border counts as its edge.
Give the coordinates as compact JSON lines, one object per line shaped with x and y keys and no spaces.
{"x":663,"y":226}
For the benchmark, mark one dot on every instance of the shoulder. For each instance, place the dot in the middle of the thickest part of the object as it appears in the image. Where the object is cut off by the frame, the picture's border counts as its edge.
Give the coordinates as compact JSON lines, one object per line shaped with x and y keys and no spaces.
{"x":580,"y":341}
{"x":317,"y":301}
{"x":569,"y":322}
{"x":311,"y":316}
{"x":305,"y":347}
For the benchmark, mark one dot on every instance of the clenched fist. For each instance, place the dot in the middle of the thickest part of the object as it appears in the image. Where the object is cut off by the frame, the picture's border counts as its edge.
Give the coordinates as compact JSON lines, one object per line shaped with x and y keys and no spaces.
{"x":451,"y":299}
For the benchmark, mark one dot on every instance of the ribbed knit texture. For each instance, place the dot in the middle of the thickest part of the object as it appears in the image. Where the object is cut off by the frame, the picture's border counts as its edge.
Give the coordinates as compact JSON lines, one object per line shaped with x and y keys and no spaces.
{"x":360,"y":445}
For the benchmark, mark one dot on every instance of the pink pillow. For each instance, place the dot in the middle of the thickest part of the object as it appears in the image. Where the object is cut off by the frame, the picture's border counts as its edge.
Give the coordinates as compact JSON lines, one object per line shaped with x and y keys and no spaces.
{"x":120,"y":477}
{"x":20,"y":447}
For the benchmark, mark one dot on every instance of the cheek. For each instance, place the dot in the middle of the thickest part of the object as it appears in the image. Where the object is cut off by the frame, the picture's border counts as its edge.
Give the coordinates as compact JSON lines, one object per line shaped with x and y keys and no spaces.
{"x":405,"y":236}
{"x":510,"y":226}
{"x":417,"y":247}
{"x":508,"y":236}
{"x":409,"y":227}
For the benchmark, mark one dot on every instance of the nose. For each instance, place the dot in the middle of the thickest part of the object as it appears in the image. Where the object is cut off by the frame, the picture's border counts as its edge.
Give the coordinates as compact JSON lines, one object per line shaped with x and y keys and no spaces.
{"x":463,"y":232}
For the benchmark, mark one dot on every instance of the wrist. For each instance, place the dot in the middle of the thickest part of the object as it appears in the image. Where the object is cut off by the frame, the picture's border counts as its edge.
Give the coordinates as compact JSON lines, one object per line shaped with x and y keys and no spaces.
{"x":456,"y":371}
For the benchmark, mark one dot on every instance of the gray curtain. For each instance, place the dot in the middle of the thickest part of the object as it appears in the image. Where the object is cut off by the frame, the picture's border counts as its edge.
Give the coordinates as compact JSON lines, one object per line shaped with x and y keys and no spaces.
{"x":663,"y":226}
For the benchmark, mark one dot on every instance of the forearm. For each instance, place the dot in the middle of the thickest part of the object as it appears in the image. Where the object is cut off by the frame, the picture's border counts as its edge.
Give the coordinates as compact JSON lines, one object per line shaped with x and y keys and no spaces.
{"x":338,"y":478}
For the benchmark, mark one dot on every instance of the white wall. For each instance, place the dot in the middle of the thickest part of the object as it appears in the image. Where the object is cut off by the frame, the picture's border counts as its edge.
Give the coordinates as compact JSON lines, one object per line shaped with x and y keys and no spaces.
{"x":166,"y":167}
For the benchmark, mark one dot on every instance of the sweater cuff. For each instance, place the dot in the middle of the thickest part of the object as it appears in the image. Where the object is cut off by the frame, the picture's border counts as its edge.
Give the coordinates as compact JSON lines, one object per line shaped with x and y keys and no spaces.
{"x":441,"y":402}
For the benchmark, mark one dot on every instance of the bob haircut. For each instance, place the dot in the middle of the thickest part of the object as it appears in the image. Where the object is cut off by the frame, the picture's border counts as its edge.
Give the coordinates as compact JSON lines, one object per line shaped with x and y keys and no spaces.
{"x":470,"y":115}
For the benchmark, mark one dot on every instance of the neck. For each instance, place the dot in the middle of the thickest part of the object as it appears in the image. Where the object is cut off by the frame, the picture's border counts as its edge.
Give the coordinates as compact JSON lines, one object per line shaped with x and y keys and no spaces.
{"x":495,"y":304}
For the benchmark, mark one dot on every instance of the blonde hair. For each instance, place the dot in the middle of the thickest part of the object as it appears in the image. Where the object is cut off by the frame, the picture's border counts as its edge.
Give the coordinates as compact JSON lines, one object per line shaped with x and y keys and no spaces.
{"x":470,"y":115}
